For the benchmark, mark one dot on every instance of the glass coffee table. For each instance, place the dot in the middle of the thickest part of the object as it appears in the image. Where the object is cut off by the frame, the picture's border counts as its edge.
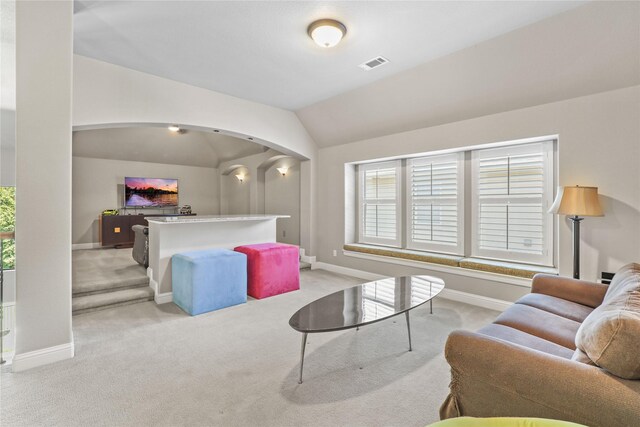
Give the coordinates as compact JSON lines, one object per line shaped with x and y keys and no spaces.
{"x":365,"y":304}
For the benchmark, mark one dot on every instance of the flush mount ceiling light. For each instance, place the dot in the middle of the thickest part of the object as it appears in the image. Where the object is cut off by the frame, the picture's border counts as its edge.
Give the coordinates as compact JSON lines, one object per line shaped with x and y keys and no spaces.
{"x":174,"y":128}
{"x":326,"y":32}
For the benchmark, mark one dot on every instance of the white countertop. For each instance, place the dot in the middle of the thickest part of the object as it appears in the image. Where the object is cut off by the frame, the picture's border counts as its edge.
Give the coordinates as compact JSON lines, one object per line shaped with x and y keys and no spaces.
{"x":211,"y":218}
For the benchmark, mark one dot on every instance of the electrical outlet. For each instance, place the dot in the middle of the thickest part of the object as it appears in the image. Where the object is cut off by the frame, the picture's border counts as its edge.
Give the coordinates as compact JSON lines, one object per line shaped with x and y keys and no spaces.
{"x":335,"y":253}
{"x":284,"y":233}
{"x":606,"y":277}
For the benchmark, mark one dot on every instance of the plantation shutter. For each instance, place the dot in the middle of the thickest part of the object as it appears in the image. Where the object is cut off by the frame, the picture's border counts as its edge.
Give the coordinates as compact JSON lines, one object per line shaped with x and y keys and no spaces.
{"x":513,"y":190}
{"x":435,"y":203}
{"x":379,"y":207}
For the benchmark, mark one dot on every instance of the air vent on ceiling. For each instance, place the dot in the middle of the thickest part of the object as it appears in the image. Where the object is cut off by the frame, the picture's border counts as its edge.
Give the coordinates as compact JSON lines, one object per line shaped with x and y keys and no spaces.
{"x":373,"y":63}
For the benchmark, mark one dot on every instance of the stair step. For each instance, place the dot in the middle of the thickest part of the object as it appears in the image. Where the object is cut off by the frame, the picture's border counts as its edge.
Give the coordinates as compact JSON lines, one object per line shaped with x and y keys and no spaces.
{"x":107,"y":285}
{"x":304,"y":265}
{"x":94,"y":302}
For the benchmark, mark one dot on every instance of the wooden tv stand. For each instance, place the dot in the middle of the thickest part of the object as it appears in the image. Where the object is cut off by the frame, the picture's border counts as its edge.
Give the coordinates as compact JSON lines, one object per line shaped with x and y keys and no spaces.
{"x":115,"y":230}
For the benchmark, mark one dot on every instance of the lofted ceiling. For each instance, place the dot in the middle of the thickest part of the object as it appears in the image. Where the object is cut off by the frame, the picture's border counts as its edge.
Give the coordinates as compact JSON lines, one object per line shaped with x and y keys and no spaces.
{"x":259,"y":50}
{"x":159,"y":145}
{"x":590,"y":49}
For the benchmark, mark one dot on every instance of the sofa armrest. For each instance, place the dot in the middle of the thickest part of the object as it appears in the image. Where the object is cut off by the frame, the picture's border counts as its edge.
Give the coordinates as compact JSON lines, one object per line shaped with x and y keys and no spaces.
{"x":579,"y":291}
{"x":492,"y":377}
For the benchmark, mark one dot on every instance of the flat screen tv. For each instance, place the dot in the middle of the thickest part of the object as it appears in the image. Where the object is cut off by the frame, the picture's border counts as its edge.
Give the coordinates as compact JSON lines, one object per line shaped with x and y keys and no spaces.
{"x":150,"y":192}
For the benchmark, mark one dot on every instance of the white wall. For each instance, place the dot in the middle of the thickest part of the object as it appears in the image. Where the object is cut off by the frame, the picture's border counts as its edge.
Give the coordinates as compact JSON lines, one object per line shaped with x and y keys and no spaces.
{"x":599,"y":145}
{"x":44,"y":55}
{"x":7,"y":149}
{"x":264,"y":190}
{"x":590,"y":49}
{"x":235,"y":195}
{"x":98,"y":185}
{"x":248,"y":196}
{"x":7,"y":94}
{"x":282,"y":196}
{"x":106,"y":95}
{"x":7,"y":165}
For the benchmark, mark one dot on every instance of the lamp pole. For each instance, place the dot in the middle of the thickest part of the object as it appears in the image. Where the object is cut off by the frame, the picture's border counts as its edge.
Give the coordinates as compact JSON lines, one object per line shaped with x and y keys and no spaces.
{"x":576,"y":245}
{"x":573,"y":202}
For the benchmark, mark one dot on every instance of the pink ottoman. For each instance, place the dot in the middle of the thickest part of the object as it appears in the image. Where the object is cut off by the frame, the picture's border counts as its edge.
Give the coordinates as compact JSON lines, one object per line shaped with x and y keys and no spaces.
{"x":272,"y":269}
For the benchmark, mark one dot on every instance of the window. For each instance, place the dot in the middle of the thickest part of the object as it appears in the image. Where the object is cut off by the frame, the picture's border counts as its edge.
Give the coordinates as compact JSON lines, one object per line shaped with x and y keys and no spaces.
{"x":512,"y":191}
{"x":7,"y":223}
{"x":379,"y":194}
{"x":435,"y":200}
{"x":500,"y":195}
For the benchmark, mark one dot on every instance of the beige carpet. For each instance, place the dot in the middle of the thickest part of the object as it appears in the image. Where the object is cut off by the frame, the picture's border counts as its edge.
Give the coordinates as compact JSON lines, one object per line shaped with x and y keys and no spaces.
{"x":148,"y":365}
{"x":102,"y":269}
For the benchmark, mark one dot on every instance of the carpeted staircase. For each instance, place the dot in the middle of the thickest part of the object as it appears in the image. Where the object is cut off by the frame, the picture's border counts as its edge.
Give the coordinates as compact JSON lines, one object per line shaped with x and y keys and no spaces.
{"x":105,"y":278}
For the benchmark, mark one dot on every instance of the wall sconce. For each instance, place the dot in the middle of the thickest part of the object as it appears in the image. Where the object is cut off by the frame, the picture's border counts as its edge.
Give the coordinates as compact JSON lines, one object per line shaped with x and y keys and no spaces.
{"x":283,"y":170}
{"x":240,"y":177}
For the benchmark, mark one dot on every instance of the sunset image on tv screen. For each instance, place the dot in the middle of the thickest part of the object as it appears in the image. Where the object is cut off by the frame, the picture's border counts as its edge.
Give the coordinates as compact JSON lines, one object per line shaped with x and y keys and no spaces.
{"x":150,"y":192}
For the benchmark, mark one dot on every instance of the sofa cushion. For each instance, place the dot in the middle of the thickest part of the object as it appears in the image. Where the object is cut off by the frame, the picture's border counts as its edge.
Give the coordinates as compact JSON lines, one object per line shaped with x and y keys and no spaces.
{"x":559,"y":306}
{"x":610,"y":335}
{"x":581,"y":356}
{"x":540,"y":323}
{"x":624,"y":281}
{"x":503,"y":422}
{"x":516,"y":336}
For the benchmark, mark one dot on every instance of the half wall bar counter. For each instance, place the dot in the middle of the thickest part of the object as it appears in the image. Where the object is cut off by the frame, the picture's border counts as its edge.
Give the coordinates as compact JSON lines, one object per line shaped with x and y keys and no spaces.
{"x":172,"y":235}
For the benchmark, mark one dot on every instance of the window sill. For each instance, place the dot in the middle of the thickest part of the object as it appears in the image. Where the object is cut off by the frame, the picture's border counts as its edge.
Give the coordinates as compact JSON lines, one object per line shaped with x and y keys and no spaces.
{"x":512,"y":273}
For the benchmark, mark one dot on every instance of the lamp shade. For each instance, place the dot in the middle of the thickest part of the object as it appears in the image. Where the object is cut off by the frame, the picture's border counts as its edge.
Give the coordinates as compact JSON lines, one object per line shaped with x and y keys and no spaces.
{"x":577,"y":201}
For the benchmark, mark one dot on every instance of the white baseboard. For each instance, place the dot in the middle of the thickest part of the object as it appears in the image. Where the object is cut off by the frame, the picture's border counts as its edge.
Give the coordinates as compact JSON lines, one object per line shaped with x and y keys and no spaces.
{"x":310,"y":259}
{"x":158,"y":297}
{"x":79,"y":246}
{"x":450,"y":294}
{"x":304,"y":258}
{"x":32,"y":359}
{"x":360,"y":274}
{"x":153,"y":284}
{"x":477,"y":300}
{"x":163,"y":298}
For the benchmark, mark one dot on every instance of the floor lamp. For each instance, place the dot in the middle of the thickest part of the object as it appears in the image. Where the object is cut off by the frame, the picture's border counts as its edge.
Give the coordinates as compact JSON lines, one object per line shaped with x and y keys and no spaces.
{"x":577,"y":202}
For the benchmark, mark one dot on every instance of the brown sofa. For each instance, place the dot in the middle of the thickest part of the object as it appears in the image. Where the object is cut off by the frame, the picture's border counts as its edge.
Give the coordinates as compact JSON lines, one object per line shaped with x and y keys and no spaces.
{"x":569,"y":350}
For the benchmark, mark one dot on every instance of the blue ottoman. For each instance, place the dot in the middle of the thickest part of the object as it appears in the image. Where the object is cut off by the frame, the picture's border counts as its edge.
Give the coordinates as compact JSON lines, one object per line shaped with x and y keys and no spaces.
{"x":208,"y":280}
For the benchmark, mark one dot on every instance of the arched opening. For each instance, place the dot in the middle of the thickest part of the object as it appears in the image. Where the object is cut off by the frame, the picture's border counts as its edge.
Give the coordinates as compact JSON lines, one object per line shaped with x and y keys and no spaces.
{"x":216,"y":171}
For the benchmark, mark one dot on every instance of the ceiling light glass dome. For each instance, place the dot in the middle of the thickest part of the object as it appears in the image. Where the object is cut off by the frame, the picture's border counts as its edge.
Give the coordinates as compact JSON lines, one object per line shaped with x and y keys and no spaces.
{"x":326,"y":32}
